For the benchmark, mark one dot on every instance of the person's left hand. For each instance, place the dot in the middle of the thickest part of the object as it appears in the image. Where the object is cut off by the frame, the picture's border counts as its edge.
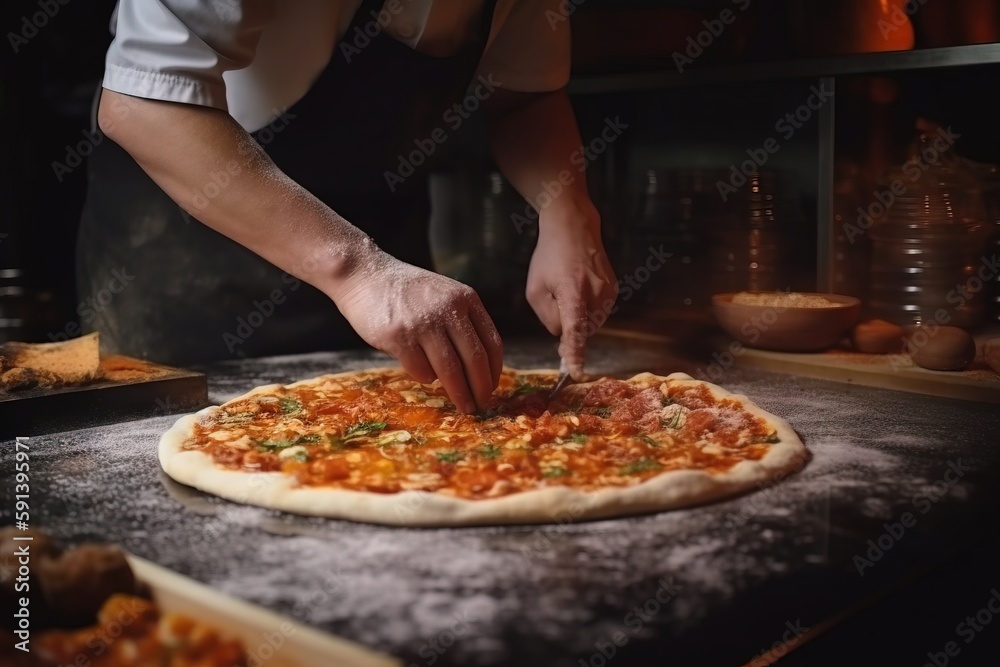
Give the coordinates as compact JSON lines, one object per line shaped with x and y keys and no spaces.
{"x":571,"y":284}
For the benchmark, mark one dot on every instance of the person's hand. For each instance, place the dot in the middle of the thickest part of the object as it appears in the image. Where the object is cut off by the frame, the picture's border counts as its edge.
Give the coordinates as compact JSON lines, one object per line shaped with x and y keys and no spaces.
{"x":435,"y":326}
{"x":571,"y":284}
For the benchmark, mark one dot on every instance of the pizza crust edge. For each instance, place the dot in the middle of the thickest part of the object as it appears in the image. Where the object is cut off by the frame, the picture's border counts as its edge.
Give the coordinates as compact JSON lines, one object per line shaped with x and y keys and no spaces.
{"x":670,"y":490}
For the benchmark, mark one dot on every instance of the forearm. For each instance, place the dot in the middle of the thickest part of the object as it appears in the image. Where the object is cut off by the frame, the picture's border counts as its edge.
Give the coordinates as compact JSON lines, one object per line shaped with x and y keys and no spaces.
{"x":212,"y":168}
{"x":435,"y":326}
{"x":534,"y":138}
{"x":570,"y":283}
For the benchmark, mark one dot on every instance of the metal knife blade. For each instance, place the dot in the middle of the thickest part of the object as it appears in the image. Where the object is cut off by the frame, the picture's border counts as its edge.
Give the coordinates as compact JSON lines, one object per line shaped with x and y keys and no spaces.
{"x":563,"y":379}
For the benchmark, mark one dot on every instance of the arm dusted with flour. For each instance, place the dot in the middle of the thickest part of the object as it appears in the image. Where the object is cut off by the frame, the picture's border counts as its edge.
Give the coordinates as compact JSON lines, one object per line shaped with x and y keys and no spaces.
{"x":435,"y":326}
{"x":537,"y":144}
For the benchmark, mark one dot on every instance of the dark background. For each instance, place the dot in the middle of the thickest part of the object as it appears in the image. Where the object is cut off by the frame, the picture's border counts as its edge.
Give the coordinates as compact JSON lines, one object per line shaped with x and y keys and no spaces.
{"x":46,"y":91}
{"x":47,"y":88}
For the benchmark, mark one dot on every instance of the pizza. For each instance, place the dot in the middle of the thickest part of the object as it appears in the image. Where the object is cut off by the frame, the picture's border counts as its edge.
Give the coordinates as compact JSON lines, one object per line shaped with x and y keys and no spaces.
{"x":377,"y":446}
{"x":131,"y":631}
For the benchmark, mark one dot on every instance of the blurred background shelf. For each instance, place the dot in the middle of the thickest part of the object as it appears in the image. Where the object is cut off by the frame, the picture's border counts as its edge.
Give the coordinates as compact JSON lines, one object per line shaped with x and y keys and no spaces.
{"x":897,"y":372}
{"x":661,"y":182}
{"x":885,"y":371}
{"x":663,"y":73}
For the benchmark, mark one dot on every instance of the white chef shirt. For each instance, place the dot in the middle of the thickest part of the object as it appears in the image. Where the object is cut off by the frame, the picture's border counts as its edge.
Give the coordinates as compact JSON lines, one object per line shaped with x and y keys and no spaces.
{"x":256,"y":58}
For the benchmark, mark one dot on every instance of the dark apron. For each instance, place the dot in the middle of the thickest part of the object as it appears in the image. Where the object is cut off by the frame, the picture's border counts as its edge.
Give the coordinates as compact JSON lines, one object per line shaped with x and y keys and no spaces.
{"x":159,"y":285}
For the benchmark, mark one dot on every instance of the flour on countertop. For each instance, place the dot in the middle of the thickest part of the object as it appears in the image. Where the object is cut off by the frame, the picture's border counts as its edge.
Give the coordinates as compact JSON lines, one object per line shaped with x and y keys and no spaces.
{"x":549,"y":591}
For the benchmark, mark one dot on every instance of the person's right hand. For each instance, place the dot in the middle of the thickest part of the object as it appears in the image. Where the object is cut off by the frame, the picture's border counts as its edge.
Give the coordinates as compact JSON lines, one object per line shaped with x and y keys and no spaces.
{"x":435,"y":326}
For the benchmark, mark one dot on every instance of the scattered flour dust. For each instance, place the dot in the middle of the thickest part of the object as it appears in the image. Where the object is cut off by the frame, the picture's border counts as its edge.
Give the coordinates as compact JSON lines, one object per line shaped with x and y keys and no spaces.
{"x":858,"y":451}
{"x":396,"y":589}
{"x":393,"y":602}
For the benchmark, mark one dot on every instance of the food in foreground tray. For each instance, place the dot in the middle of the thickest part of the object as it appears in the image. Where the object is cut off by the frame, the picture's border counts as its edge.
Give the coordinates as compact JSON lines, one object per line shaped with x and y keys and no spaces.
{"x":71,"y":363}
{"x":86,"y":607}
{"x":66,"y":587}
{"x":29,"y":365}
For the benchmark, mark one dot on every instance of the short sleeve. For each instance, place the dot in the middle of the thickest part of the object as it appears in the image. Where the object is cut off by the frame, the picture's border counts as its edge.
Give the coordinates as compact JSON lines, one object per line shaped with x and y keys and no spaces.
{"x":530,"y":50}
{"x":178,"y":50}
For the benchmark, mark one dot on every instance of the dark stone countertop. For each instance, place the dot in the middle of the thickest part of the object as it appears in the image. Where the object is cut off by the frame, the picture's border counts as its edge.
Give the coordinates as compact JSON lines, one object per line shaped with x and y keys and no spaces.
{"x":742,"y":572}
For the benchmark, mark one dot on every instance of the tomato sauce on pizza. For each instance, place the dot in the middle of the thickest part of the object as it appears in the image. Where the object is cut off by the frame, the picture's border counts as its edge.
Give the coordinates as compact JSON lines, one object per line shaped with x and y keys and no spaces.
{"x":382,"y":432}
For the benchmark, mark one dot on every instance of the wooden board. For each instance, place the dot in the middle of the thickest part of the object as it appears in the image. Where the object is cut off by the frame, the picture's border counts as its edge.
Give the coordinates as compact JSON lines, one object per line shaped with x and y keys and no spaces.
{"x":131,"y":389}
{"x":887,"y":371}
{"x":896,"y":371}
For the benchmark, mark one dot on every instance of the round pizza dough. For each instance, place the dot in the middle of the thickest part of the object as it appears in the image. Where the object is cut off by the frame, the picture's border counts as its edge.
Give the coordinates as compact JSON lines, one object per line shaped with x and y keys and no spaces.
{"x":669,"y":490}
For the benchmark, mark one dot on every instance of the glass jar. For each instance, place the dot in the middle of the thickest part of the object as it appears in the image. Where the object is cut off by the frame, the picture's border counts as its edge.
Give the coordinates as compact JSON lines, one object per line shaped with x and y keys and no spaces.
{"x":752,"y":245}
{"x":851,"y":252}
{"x":927,"y":248}
{"x":668,"y":210}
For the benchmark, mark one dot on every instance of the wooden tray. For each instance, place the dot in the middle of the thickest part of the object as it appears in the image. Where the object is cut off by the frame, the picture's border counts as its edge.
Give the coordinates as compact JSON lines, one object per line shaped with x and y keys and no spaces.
{"x":276,"y":641}
{"x":132,"y":389}
{"x":886,"y":371}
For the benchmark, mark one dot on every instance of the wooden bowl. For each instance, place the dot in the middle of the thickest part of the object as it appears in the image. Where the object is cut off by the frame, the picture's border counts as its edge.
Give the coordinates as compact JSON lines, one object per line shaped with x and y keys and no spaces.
{"x":788,"y":328}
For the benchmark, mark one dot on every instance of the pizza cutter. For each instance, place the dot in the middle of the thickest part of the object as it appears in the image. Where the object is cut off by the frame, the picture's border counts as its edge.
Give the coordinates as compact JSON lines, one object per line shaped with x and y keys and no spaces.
{"x":563,"y":378}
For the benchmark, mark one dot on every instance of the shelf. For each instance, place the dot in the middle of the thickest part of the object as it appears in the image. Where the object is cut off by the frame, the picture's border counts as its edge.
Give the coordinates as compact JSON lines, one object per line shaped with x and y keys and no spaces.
{"x":666,"y":75}
{"x":886,"y":371}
